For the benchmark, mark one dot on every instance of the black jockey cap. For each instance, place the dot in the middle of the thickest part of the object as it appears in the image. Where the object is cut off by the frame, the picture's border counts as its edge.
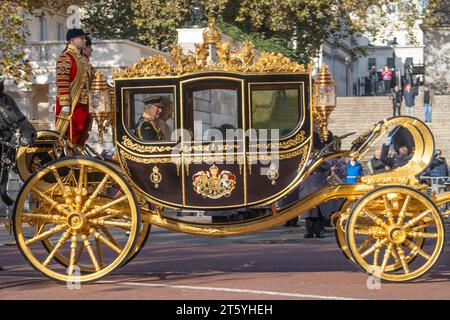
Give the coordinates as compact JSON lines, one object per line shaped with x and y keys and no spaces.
{"x":75,"y":33}
{"x":155,"y":100}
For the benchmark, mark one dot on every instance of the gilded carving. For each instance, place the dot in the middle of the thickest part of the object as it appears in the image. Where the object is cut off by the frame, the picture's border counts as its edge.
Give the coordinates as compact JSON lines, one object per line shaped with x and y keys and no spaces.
{"x":156,"y":160}
{"x":229,"y":59}
{"x":254,"y":158}
{"x":226,"y":56}
{"x":145,"y":149}
{"x":212,"y":147}
{"x":227,"y":158}
{"x":155,"y":177}
{"x":273,"y":173}
{"x":411,"y":181}
{"x":152,"y":66}
{"x":246,"y":54}
{"x":201,"y":55}
{"x":214,"y":184}
{"x":297,"y":140}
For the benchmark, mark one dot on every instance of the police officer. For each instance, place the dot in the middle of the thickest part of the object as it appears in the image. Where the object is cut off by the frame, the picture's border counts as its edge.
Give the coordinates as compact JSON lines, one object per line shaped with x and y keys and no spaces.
{"x":147,"y":129}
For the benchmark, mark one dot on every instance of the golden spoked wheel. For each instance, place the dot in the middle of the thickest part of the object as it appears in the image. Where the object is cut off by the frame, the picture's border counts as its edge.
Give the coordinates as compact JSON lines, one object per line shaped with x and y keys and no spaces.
{"x":44,"y":149}
{"x":340,"y":223}
{"x":142,"y":239}
{"x":88,"y":220}
{"x":395,"y":233}
{"x":339,"y":228}
{"x":143,"y":235}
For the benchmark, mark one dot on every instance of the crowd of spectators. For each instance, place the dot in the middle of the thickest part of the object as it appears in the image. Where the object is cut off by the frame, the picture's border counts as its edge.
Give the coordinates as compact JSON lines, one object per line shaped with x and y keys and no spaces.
{"x":341,"y":170}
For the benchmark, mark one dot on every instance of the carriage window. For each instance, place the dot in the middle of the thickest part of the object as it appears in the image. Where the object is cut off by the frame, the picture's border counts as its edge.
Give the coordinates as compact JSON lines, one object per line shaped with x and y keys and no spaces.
{"x":149,"y":113}
{"x":215,"y":109}
{"x":275,"y":106}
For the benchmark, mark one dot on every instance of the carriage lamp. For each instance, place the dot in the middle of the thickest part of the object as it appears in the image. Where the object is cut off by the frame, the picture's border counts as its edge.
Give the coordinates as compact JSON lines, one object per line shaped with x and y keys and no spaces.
{"x":324,"y":100}
{"x":100,"y":104}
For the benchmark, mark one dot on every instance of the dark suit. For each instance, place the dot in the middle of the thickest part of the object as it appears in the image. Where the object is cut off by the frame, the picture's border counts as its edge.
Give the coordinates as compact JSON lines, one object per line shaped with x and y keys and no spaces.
{"x":396,"y":160}
{"x":148,"y":130}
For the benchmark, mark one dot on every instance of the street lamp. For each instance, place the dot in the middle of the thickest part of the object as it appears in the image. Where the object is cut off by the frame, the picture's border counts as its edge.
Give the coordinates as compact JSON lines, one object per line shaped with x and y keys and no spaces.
{"x":324,"y":101}
{"x":347,"y":66}
{"x":100,"y":104}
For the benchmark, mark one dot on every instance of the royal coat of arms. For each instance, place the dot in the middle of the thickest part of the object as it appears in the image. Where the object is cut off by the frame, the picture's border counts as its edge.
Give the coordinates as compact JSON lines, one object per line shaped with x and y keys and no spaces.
{"x":214,"y":184}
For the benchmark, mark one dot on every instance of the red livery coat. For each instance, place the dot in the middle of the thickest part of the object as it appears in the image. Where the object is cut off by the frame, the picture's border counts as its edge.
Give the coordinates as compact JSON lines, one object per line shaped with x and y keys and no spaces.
{"x":73,"y":77}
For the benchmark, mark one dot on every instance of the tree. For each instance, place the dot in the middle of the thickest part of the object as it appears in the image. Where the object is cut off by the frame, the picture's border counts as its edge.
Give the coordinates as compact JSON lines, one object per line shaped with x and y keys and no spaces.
{"x":269,"y":23}
{"x":111,"y":19}
{"x":14,"y":20}
{"x":306,"y":22}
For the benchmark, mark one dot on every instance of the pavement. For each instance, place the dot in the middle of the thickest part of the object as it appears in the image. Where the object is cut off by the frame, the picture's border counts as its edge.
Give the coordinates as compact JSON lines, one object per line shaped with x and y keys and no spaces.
{"x":276,"y":264}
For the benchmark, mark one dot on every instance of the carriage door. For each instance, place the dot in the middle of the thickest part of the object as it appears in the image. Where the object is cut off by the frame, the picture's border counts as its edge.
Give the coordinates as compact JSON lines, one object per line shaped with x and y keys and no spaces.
{"x":213,"y":143}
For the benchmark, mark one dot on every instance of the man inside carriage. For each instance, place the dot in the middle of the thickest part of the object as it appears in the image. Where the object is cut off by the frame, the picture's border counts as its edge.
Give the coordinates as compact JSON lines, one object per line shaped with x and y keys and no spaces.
{"x":147,"y":128}
{"x":73,"y":79}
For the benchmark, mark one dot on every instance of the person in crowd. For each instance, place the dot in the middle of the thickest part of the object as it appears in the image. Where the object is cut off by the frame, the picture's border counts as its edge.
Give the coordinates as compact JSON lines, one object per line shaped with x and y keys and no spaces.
{"x":387,"y":75}
{"x":338,"y":171}
{"x":316,"y":218}
{"x":86,"y":52}
{"x":163,"y":121}
{"x":373,"y":77}
{"x":399,"y":159}
{"x":337,"y":176}
{"x":438,"y":167}
{"x":354,"y":169}
{"x":375,"y":164}
{"x":290,"y":198}
{"x":396,"y":97}
{"x":428,"y":101}
{"x":409,"y":97}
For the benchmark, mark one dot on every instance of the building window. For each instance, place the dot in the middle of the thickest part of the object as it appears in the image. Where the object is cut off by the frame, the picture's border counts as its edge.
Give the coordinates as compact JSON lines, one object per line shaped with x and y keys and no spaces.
{"x":390,"y":62}
{"x":392,"y":41}
{"x":60,"y":31}
{"x":372,"y":63}
{"x":409,"y":61}
{"x":43,"y":29}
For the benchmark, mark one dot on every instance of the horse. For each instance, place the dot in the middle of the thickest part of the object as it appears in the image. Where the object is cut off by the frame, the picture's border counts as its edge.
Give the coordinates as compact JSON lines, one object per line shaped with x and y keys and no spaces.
{"x":15,"y":130}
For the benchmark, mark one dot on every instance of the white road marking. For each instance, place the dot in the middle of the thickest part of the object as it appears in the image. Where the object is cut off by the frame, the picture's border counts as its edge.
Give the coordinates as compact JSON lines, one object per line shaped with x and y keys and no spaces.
{"x":218,"y":289}
{"x":271,"y":293}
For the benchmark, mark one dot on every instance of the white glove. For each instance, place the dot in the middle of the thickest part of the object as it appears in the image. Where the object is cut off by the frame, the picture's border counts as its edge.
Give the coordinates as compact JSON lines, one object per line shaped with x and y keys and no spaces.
{"x":388,"y":141}
{"x":65,"y":109}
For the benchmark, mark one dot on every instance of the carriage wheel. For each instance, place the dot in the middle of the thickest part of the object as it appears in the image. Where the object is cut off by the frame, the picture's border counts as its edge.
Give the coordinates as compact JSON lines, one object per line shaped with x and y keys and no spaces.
{"x":340,"y":222}
{"x":142,"y":239}
{"x":339,"y":229}
{"x":83,"y":219}
{"x":395,"y":233}
{"x":47,"y":148}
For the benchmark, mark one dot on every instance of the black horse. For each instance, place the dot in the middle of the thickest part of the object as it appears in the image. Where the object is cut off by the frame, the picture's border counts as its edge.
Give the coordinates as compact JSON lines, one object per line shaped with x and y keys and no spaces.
{"x":15,"y":131}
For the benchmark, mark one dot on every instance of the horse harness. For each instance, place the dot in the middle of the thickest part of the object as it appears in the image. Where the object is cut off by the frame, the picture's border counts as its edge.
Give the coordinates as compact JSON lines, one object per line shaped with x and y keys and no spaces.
{"x":12,"y":125}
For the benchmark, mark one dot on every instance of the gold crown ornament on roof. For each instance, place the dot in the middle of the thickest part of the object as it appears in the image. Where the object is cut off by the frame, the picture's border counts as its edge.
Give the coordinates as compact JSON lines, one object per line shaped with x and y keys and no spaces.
{"x":212,"y":34}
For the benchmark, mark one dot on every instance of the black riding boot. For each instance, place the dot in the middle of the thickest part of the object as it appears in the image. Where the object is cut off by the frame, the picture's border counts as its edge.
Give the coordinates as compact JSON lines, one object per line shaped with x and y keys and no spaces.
{"x":309,"y":223}
{"x":317,"y":228}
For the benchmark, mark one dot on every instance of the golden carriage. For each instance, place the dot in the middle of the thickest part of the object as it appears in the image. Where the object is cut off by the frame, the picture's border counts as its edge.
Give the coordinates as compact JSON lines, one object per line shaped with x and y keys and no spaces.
{"x":79,"y":217}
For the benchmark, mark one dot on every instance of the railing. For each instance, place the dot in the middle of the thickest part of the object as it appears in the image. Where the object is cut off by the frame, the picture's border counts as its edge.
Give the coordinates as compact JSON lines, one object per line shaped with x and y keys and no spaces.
{"x":437,"y":185}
